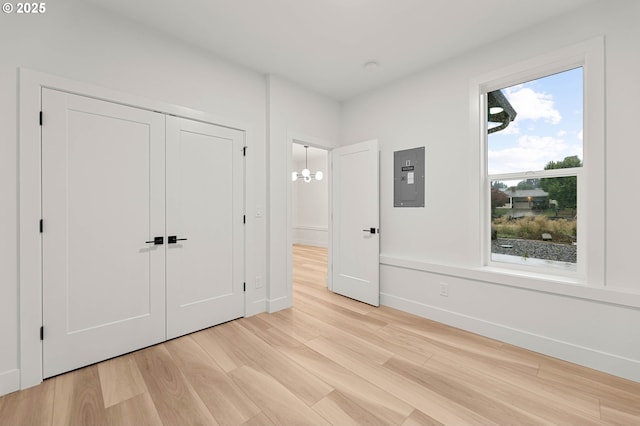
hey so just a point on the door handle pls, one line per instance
(370, 230)
(156, 241)
(173, 239)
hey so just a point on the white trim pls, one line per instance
(544, 283)
(311, 236)
(574, 171)
(30, 84)
(256, 307)
(88, 90)
(275, 305)
(330, 247)
(30, 254)
(572, 56)
(313, 243)
(591, 220)
(312, 228)
(602, 361)
(9, 381)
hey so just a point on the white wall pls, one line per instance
(310, 204)
(294, 113)
(9, 374)
(77, 41)
(420, 247)
(440, 243)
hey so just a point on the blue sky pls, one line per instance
(548, 126)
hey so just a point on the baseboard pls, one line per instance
(256, 307)
(275, 305)
(311, 236)
(602, 361)
(9, 381)
(313, 243)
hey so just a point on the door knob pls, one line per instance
(173, 239)
(156, 241)
(370, 230)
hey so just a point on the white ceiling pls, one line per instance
(323, 44)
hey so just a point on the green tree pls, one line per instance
(528, 184)
(498, 199)
(563, 189)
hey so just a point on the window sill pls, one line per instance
(532, 281)
(545, 268)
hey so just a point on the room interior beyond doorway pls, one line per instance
(310, 200)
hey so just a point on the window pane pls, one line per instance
(535, 123)
(533, 221)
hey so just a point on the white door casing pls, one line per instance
(355, 226)
(103, 198)
(205, 203)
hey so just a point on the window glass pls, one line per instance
(534, 222)
(547, 125)
(534, 159)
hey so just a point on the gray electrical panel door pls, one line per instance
(408, 178)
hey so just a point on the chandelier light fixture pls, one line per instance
(306, 174)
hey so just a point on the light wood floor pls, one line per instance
(328, 360)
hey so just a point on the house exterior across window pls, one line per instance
(527, 199)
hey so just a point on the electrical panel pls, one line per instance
(408, 177)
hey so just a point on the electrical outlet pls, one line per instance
(444, 289)
(258, 281)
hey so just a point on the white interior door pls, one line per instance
(205, 203)
(102, 199)
(355, 228)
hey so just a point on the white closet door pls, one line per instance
(205, 203)
(102, 198)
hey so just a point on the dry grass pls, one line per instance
(532, 228)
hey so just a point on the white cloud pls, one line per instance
(512, 129)
(530, 153)
(562, 133)
(580, 134)
(530, 105)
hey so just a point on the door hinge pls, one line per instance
(244, 286)
(244, 219)
(42, 333)
(40, 118)
(41, 226)
(244, 151)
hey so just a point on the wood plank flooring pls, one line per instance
(328, 360)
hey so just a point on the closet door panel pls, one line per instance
(205, 199)
(102, 199)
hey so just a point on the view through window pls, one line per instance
(534, 164)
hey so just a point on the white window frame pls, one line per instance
(590, 267)
(560, 268)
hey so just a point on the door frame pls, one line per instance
(30, 300)
(314, 143)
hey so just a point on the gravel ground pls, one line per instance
(535, 249)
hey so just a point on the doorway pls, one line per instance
(352, 212)
(309, 216)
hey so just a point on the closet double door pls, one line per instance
(143, 236)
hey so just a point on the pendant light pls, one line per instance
(306, 174)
